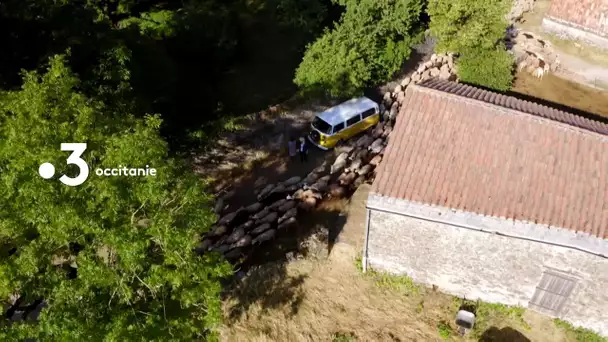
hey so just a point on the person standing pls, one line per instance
(303, 150)
(291, 146)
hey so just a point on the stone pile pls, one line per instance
(532, 53)
(279, 205)
(439, 65)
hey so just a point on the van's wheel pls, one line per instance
(340, 143)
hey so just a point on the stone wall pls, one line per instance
(567, 30)
(480, 265)
(585, 20)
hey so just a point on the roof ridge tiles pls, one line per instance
(512, 102)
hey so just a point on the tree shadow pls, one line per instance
(263, 279)
(507, 334)
(335, 230)
(269, 287)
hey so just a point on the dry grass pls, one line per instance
(324, 301)
(327, 298)
(559, 90)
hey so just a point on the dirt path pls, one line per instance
(581, 71)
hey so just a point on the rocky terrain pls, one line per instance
(279, 205)
(518, 9)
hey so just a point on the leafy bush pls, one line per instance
(490, 68)
(465, 24)
(474, 29)
(370, 43)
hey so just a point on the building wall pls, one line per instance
(491, 267)
(591, 15)
(566, 30)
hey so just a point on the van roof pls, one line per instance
(345, 110)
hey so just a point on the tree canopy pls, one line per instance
(474, 30)
(490, 68)
(369, 44)
(467, 24)
(174, 56)
(112, 258)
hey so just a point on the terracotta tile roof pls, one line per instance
(460, 147)
(590, 15)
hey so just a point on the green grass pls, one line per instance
(444, 330)
(504, 310)
(399, 283)
(581, 334)
(494, 314)
(343, 337)
(359, 263)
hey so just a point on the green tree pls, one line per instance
(370, 43)
(474, 30)
(490, 68)
(303, 15)
(464, 24)
(113, 257)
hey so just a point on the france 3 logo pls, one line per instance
(47, 170)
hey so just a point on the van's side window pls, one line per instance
(368, 113)
(338, 127)
(353, 120)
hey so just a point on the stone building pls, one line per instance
(585, 20)
(495, 198)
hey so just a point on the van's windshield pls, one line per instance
(321, 125)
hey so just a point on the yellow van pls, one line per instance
(343, 121)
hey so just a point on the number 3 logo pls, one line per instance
(74, 158)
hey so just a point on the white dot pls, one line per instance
(46, 170)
